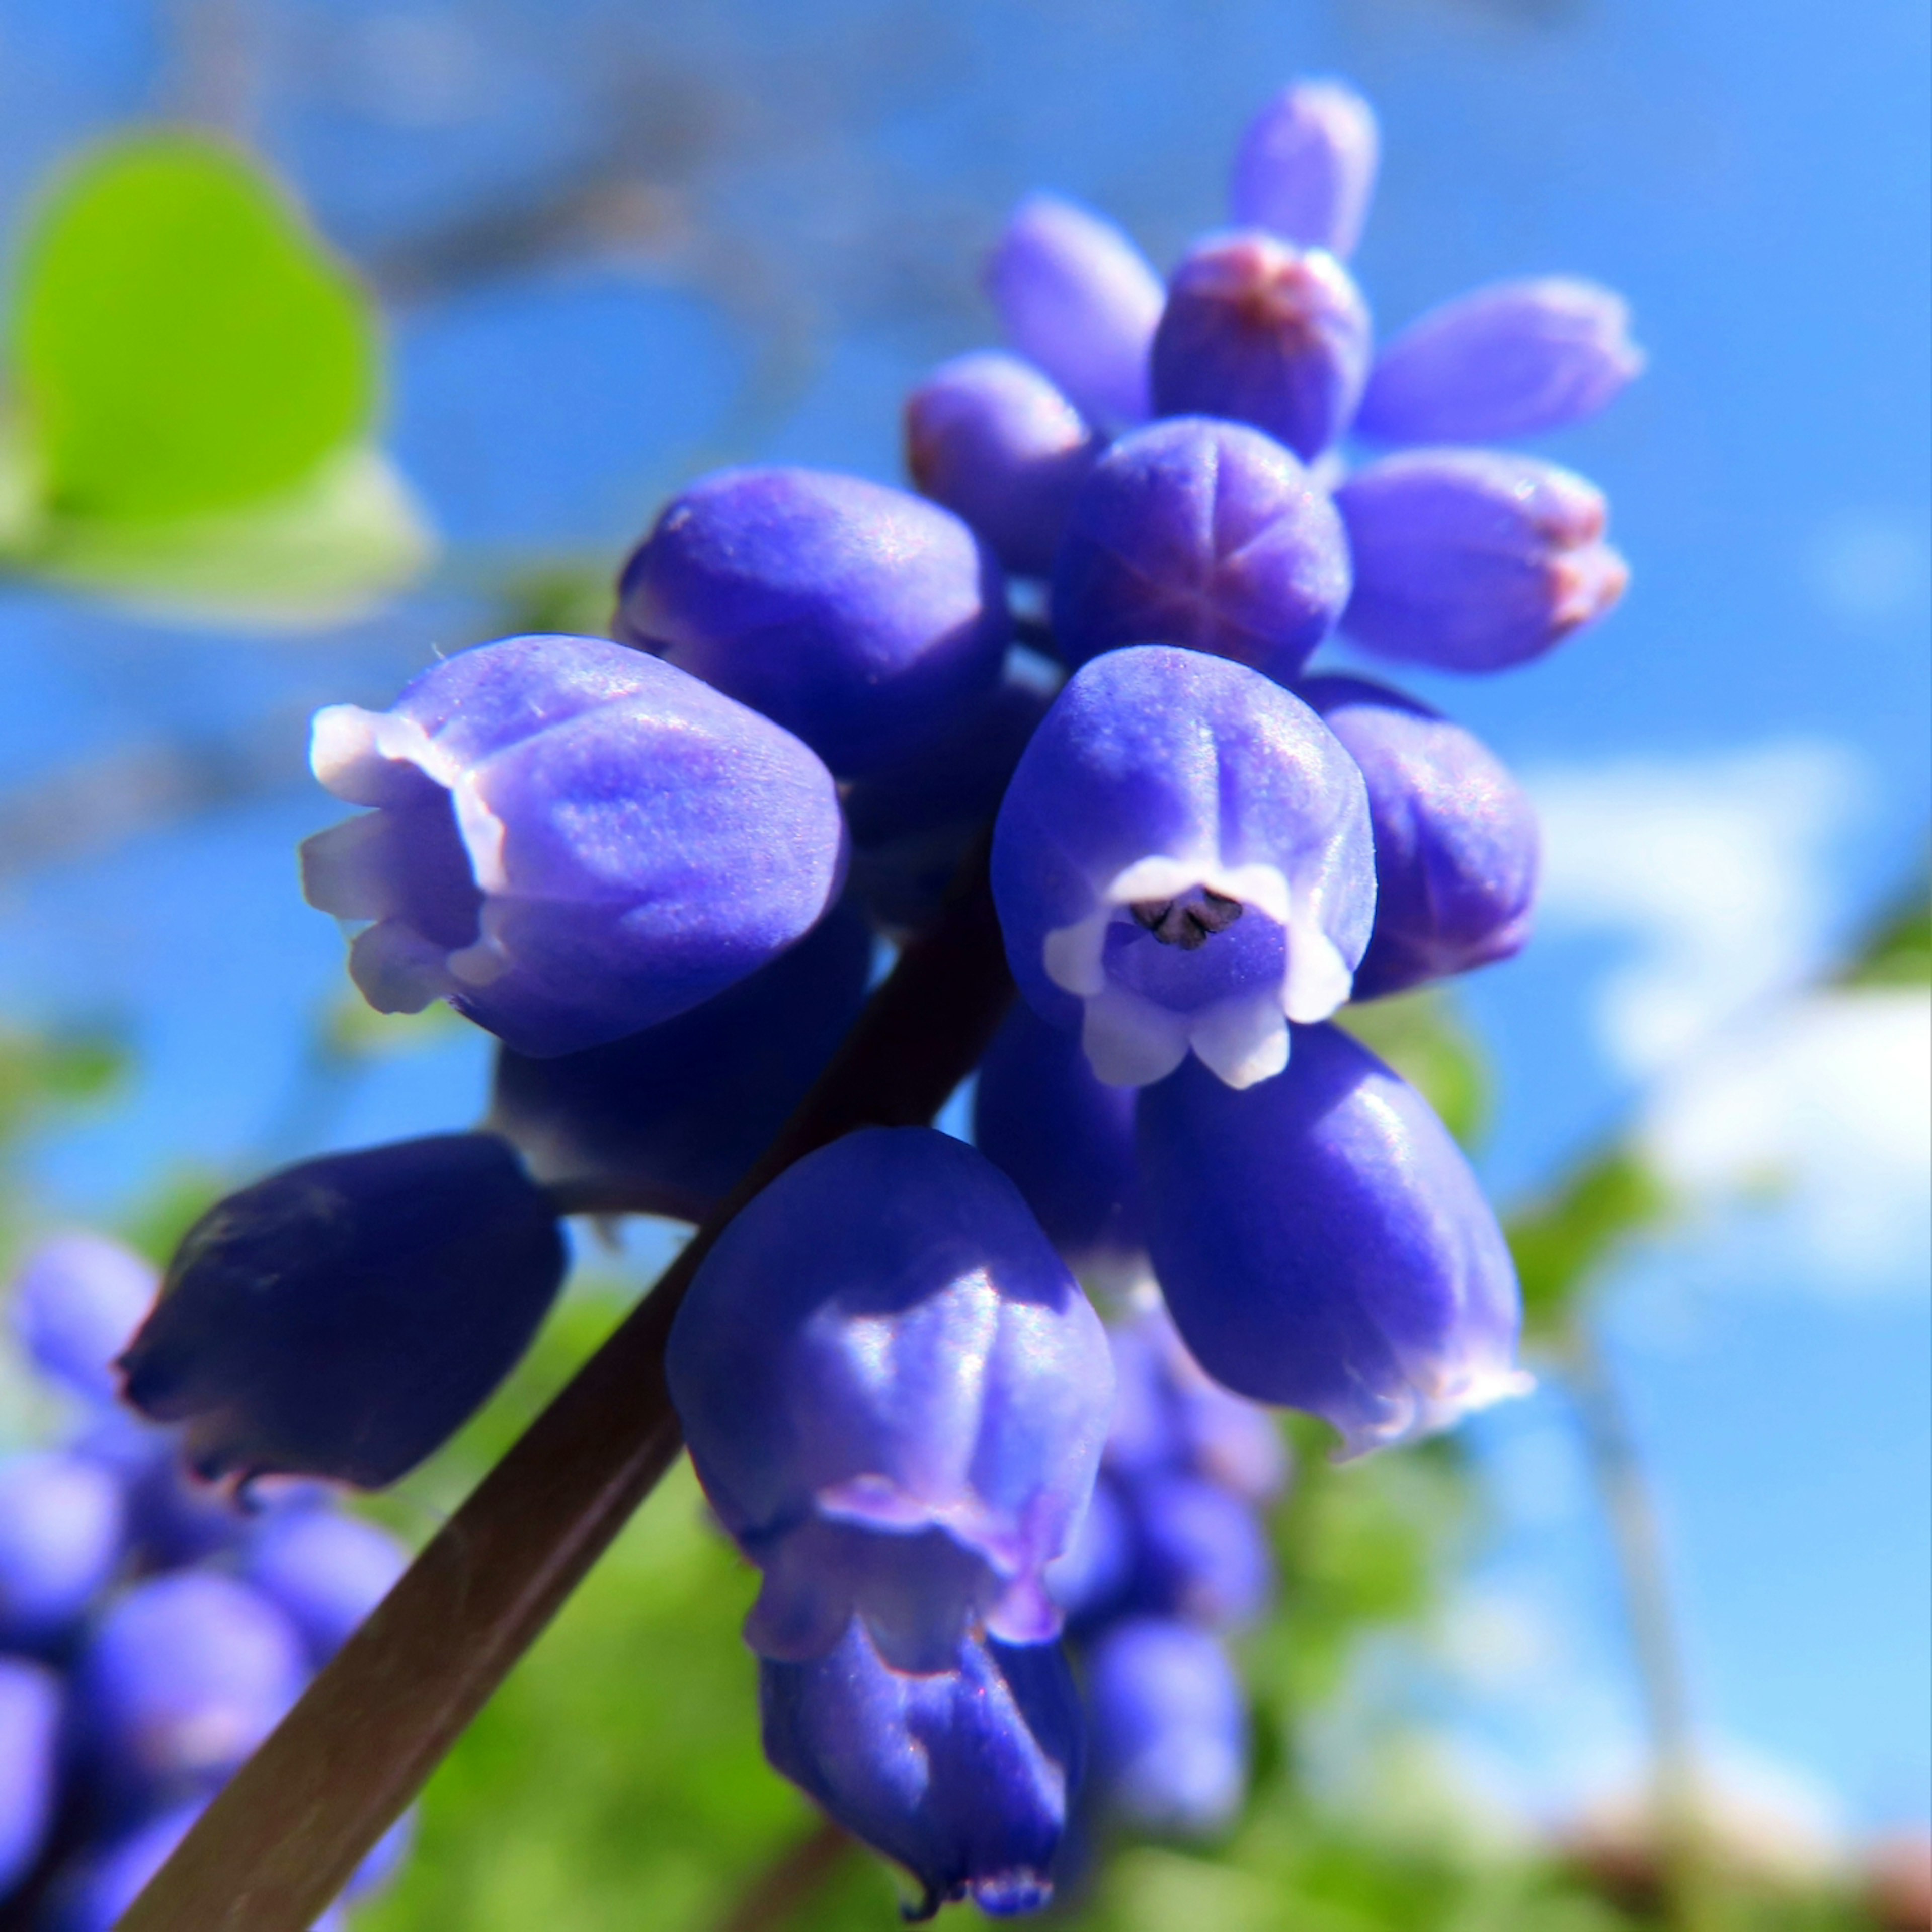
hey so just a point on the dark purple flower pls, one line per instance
(63, 1522)
(1512, 359)
(856, 616)
(1183, 861)
(1472, 560)
(1203, 533)
(182, 1678)
(896, 1397)
(1170, 1727)
(325, 1571)
(1455, 838)
(962, 1775)
(344, 1317)
(1267, 333)
(1064, 1139)
(676, 1114)
(1306, 167)
(1079, 299)
(75, 1302)
(1321, 1243)
(991, 438)
(573, 841)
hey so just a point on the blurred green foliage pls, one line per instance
(1898, 952)
(1564, 1240)
(1423, 1037)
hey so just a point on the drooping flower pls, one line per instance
(74, 1302)
(572, 840)
(1183, 861)
(895, 1396)
(63, 1526)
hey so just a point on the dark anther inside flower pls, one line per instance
(1189, 921)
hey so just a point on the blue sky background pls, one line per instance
(772, 215)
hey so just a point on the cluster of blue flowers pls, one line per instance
(657, 867)
(153, 1630)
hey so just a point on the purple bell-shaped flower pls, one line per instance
(324, 1571)
(1455, 838)
(30, 1705)
(345, 1317)
(1321, 1243)
(1204, 533)
(895, 1397)
(76, 1300)
(859, 616)
(1183, 861)
(63, 1522)
(571, 841)
(962, 1775)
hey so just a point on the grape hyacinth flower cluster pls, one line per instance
(659, 870)
(153, 1630)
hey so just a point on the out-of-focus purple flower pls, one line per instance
(98, 1886)
(962, 1776)
(680, 1112)
(344, 1317)
(1064, 1139)
(325, 1571)
(62, 1532)
(1455, 838)
(1204, 533)
(1170, 1727)
(991, 438)
(912, 825)
(181, 1679)
(76, 1300)
(857, 616)
(1079, 299)
(1200, 1551)
(1091, 1577)
(1183, 861)
(1266, 333)
(1473, 559)
(896, 1397)
(1512, 359)
(572, 840)
(1306, 167)
(31, 1704)
(1321, 1243)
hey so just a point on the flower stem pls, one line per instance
(284, 1835)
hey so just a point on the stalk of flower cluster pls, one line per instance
(283, 1838)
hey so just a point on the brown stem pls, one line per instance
(284, 1837)
(778, 1889)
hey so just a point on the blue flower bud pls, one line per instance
(1305, 167)
(1514, 359)
(76, 1300)
(962, 1776)
(991, 438)
(1267, 333)
(857, 616)
(324, 1571)
(1170, 1728)
(912, 825)
(30, 1731)
(1078, 298)
(344, 1317)
(1204, 533)
(895, 1396)
(1183, 860)
(1321, 1243)
(1472, 559)
(680, 1112)
(1455, 838)
(97, 1887)
(1063, 1138)
(62, 1531)
(1089, 1579)
(573, 841)
(1200, 1553)
(182, 1678)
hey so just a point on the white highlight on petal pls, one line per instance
(1132, 1041)
(374, 757)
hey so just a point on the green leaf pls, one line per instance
(39, 1072)
(1563, 1240)
(182, 343)
(1898, 951)
(1422, 1037)
(322, 554)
